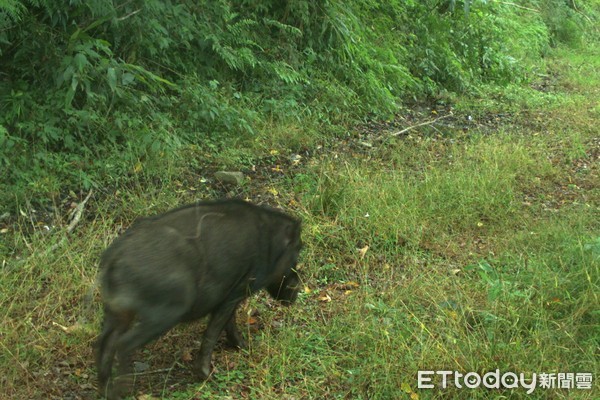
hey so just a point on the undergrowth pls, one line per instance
(467, 247)
(94, 93)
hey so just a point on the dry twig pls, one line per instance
(421, 124)
(78, 212)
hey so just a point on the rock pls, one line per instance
(139, 366)
(233, 177)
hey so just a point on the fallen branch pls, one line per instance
(78, 212)
(421, 124)
(150, 372)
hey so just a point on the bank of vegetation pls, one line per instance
(96, 93)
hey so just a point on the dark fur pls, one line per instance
(188, 263)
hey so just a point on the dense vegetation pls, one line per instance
(90, 91)
(441, 153)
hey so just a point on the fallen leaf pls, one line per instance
(350, 285)
(324, 298)
(553, 300)
(363, 251)
(405, 387)
(186, 355)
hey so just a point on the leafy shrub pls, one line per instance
(140, 78)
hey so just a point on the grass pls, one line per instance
(466, 251)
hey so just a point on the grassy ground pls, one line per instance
(472, 244)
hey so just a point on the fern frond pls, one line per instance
(11, 10)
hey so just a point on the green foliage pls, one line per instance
(567, 23)
(140, 78)
(11, 11)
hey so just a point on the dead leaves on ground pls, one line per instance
(335, 291)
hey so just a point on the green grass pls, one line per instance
(483, 253)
